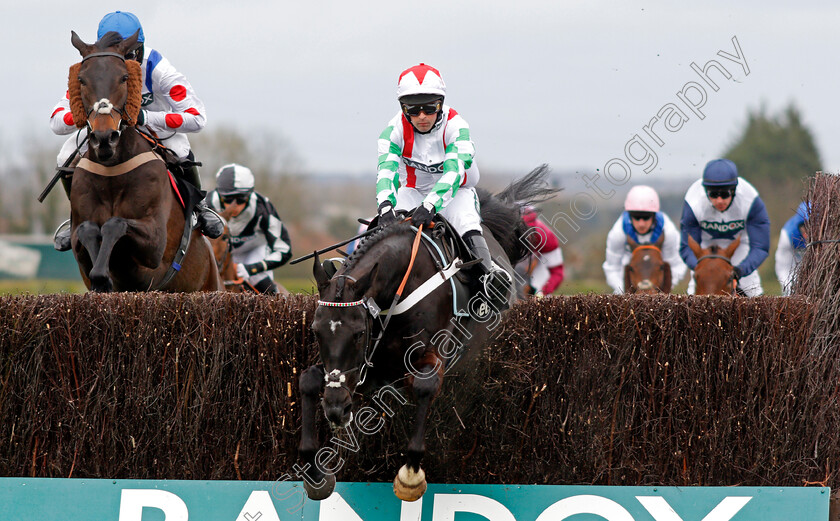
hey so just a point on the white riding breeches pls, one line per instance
(462, 212)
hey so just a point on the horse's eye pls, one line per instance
(124, 79)
(82, 81)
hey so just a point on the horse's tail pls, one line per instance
(502, 214)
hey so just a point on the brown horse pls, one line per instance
(647, 272)
(129, 231)
(714, 274)
(223, 253)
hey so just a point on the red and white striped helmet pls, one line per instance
(642, 198)
(421, 79)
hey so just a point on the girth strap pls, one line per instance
(120, 169)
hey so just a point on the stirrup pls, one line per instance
(61, 237)
(209, 222)
(498, 285)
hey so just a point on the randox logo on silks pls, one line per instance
(432, 169)
(723, 227)
(148, 99)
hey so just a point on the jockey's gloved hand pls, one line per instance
(242, 272)
(423, 214)
(141, 117)
(386, 214)
(256, 267)
(737, 273)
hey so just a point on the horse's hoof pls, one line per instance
(410, 485)
(317, 493)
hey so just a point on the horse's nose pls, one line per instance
(338, 408)
(105, 139)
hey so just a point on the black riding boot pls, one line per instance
(266, 286)
(496, 282)
(61, 238)
(209, 222)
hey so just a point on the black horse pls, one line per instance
(361, 349)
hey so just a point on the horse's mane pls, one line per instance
(365, 244)
(502, 212)
(109, 39)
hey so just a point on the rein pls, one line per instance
(335, 377)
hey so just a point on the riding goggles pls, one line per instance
(720, 194)
(237, 198)
(428, 109)
(641, 216)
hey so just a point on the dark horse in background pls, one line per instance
(359, 351)
(647, 272)
(130, 231)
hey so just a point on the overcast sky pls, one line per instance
(567, 83)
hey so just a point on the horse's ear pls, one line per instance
(666, 284)
(698, 251)
(84, 49)
(628, 287)
(732, 247)
(320, 274)
(125, 46)
(660, 241)
(633, 244)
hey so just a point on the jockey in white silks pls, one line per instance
(720, 207)
(170, 109)
(427, 164)
(643, 222)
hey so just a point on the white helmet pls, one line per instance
(642, 199)
(234, 179)
(421, 79)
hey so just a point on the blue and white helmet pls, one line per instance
(234, 179)
(720, 172)
(126, 24)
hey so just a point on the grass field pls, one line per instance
(307, 286)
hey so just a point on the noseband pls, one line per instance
(104, 106)
(728, 261)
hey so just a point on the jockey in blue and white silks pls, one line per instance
(791, 248)
(645, 224)
(720, 207)
(169, 110)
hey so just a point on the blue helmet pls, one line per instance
(720, 172)
(121, 22)
(803, 211)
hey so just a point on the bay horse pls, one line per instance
(129, 230)
(223, 253)
(714, 274)
(647, 272)
(360, 351)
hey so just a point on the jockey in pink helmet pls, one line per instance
(547, 274)
(645, 224)
(427, 164)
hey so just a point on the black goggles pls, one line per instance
(237, 198)
(641, 216)
(718, 193)
(428, 108)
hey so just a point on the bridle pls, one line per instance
(370, 311)
(646, 284)
(104, 106)
(728, 261)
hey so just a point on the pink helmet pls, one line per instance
(421, 79)
(642, 199)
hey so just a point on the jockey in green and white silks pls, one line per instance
(427, 164)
